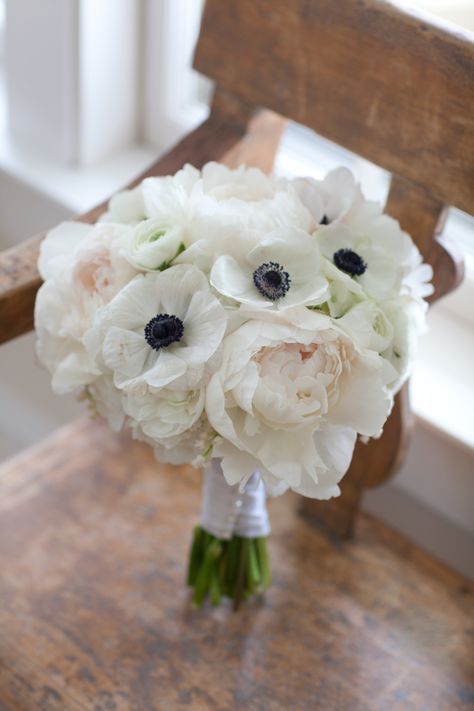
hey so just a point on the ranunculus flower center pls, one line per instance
(350, 262)
(163, 330)
(271, 280)
(324, 220)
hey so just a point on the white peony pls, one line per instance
(80, 280)
(173, 198)
(161, 326)
(285, 381)
(245, 198)
(280, 269)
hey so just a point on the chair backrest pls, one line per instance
(383, 82)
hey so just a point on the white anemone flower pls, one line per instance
(289, 397)
(279, 271)
(161, 326)
(335, 199)
(374, 256)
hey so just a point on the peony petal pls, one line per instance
(58, 243)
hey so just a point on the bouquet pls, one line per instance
(250, 326)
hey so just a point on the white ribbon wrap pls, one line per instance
(226, 511)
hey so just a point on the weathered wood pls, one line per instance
(216, 139)
(372, 77)
(94, 537)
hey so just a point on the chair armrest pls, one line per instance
(19, 278)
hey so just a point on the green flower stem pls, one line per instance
(237, 568)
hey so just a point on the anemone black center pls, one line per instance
(350, 262)
(163, 330)
(324, 220)
(271, 280)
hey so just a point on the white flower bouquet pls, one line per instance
(247, 325)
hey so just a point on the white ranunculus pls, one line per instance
(126, 207)
(193, 446)
(161, 326)
(407, 317)
(154, 245)
(281, 270)
(165, 413)
(284, 377)
(368, 326)
(79, 282)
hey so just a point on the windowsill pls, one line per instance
(76, 189)
(442, 384)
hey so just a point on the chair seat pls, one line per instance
(94, 613)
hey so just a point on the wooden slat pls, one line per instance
(94, 614)
(383, 83)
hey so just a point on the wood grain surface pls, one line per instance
(94, 614)
(379, 80)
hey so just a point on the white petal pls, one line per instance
(125, 352)
(168, 367)
(60, 241)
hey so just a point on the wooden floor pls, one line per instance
(94, 614)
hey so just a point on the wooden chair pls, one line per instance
(94, 534)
